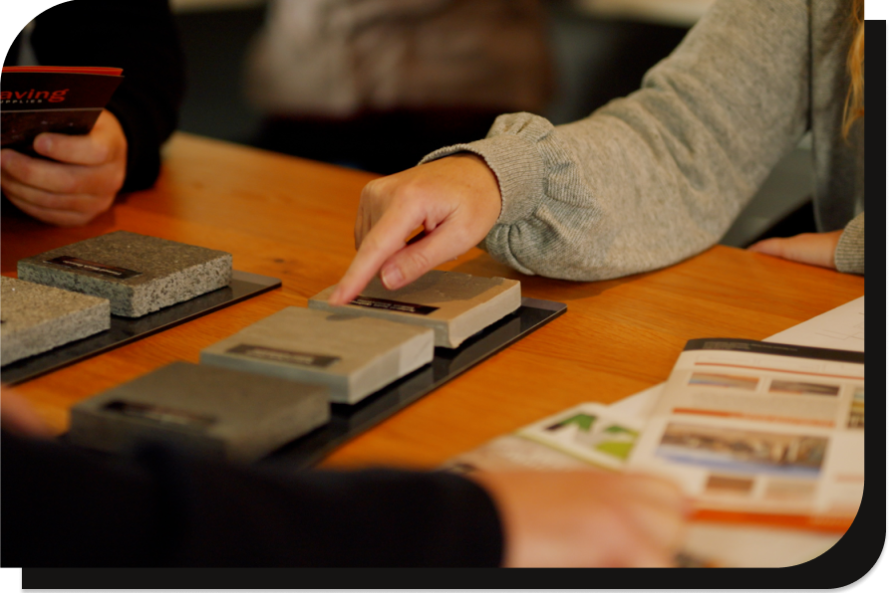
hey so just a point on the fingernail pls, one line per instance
(335, 297)
(391, 277)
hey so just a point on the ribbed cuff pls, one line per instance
(849, 254)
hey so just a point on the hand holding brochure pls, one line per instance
(66, 100)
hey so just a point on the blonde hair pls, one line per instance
(854, 108)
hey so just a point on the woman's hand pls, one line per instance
(587, 518)
(79, 183)
(455, 199)
(816, 249)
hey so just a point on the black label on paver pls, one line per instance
(374, 303)
(284, 356)
(161, 414)
(91, 266)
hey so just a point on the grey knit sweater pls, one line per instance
(659, 176)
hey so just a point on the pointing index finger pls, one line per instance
(383, 240)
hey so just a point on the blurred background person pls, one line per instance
(598, 50)
(374, 84)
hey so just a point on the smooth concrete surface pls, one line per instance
(219, 412)
(462, 305)
(352, 356)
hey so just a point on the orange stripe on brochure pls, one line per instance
(810, 522)
(741, 366)
(783, 419)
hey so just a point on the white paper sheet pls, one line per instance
(735, 546)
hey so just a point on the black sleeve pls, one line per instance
(138, 36)
(66, 507)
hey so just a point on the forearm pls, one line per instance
(656, 177)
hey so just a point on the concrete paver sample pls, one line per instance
(219, 412)
(36, 318)
(455, 305)
(353, 356)
(137, 273)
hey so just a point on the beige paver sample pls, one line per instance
(455, 305)
(353, 356)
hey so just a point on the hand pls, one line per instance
(79, 183)
(587, 518)
(455, 199)
(816, 249)
(16, 415)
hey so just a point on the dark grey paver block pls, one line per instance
(221, 412)
(137, 273)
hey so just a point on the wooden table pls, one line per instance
(292, 219)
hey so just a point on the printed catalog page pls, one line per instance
(761, 428)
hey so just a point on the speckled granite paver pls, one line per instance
(137, 273)
(37, 318)
(219, 412)
(455, 305)
(353, 356)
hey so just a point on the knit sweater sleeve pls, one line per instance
(658, 176)
(849, 255)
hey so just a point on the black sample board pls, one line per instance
(348, 421)
(124, 330)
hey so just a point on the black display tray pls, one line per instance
(123, 330)
(348, 421)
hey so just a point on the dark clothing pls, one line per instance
(139, 37)
(66, 507)
(376, 141)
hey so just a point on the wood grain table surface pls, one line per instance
(292, 219)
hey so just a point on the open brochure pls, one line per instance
(737, 533)
(773, 432)
(576, 438)
(789, 444)
(755, 432)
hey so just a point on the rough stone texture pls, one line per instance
(353, 356)
(37, 318)
(167, 272)
(221, 412)
(465, 304)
